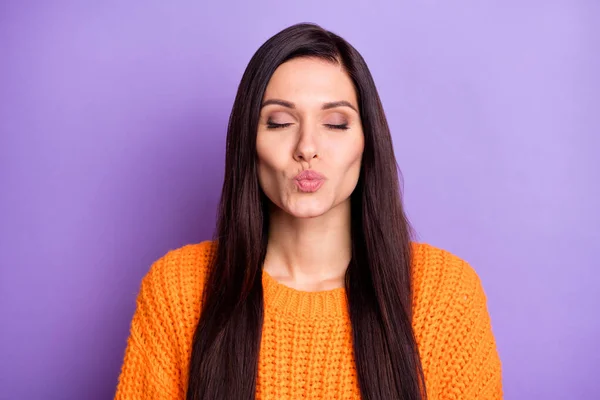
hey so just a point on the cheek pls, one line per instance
(357, 150)
(264, 167)
(270, 163)
(350, 165)
(272, 149)
(351, 156)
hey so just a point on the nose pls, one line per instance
(306, 149)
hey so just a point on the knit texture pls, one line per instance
(306, 349)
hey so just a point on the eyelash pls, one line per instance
(343, 127)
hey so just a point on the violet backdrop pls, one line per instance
(112, 129)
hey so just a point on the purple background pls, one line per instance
(113, 120)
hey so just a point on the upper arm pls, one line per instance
(453, 329)
(151, 367)
(474, 367)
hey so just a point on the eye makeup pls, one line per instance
(273, 125)
(334, 121)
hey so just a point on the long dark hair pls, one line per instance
(226, 345)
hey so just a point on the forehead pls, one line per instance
(311, 80)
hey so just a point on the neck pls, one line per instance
(310, 253)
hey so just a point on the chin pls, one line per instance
(307, 214)
(310, 210)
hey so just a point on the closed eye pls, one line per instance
(340, 126)
(272, 125)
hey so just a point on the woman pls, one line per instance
(312, 287)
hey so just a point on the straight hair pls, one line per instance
(226, 343)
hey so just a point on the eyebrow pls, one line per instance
(326, 106)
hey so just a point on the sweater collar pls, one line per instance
(302, 304)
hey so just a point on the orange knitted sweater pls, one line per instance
(306, 350)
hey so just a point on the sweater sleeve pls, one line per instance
(151, 367)
(472, 368)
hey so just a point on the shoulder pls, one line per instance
(445, 286)
(437, 268)
(191, 260)
(177, 278)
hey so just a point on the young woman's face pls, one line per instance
(310, 139)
